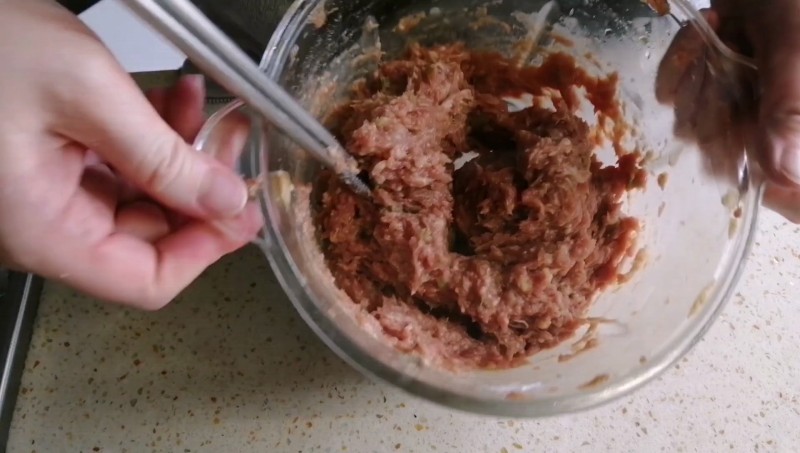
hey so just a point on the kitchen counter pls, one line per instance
(231, 367)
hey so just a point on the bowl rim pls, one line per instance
(273, 61)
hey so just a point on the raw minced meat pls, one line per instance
(483, 265)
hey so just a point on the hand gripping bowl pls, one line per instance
(698, 225)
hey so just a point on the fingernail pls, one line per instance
(222, 193)
(790, 165)
(195, 80)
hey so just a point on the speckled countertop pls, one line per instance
(230, 367)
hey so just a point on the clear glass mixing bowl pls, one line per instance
(699, 214)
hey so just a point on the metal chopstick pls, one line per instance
(191, 31)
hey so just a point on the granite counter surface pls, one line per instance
(230, 367)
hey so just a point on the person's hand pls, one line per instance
(98, 186)
(769, 32)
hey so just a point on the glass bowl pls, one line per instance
(699, 214)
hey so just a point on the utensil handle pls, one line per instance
(218, 56)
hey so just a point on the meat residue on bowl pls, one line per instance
(482, 264)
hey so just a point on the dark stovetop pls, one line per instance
(19, 300)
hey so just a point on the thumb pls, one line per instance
(776, 36)
(116, 121)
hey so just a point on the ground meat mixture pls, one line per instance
(479, 266)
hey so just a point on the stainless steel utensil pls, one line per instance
(207, 46)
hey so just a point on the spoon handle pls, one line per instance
(708, 34)
(218, 56)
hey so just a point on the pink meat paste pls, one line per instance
(482, 266)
